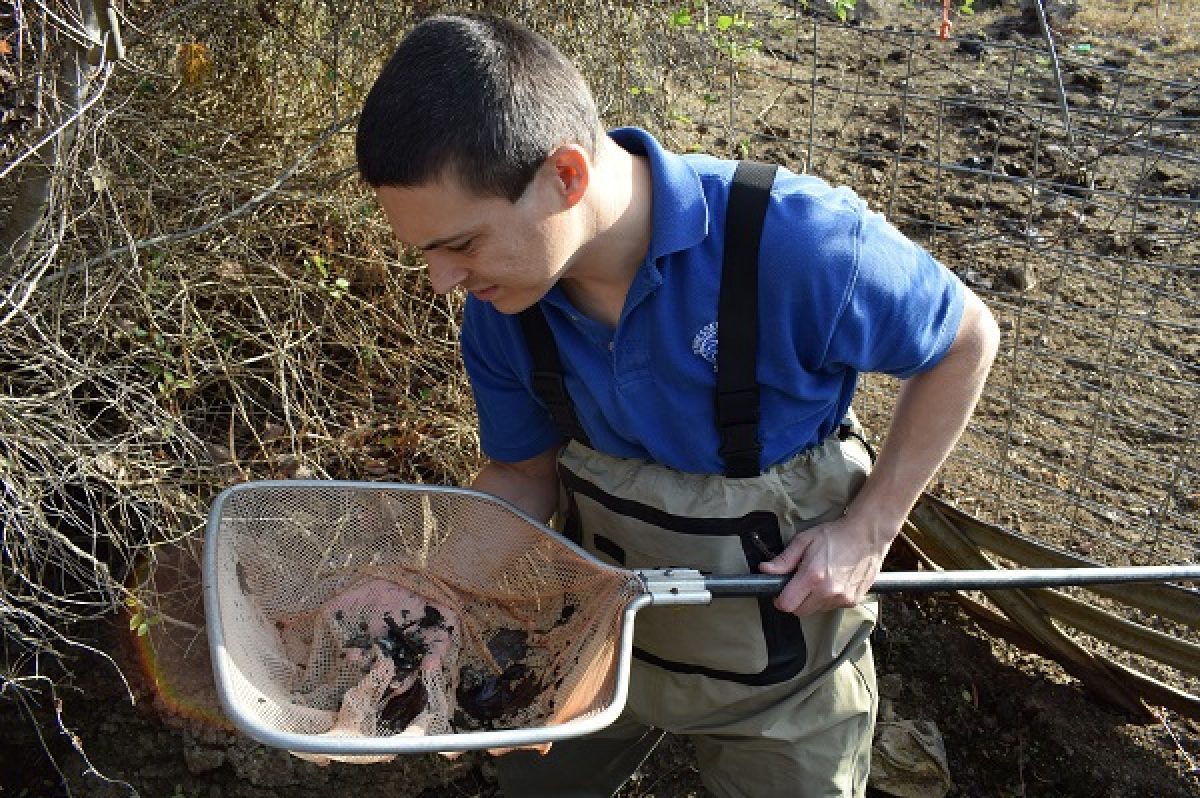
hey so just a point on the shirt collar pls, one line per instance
(679, 207)
(680, 210)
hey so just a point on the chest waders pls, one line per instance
(725, 668)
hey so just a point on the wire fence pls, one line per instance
(1063, 189)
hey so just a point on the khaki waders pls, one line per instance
(776, 706)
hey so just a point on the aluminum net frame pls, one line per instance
(359, 620)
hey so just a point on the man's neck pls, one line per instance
(622, 211)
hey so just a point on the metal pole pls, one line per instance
(941, 581)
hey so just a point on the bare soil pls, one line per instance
(1013, 724)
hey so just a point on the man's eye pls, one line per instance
(463, 247)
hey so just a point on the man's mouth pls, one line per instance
(485, 294)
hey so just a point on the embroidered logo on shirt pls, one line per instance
(705, 343)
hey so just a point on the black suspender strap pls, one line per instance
(548, 381)
(737, 321)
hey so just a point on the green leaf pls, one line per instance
(724, 22)
(681, 19)
(143, 630)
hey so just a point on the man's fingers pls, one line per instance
(792, 597)
(809, 593)
(788, 560)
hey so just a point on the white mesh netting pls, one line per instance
(392, 610)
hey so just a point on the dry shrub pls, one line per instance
(208, 294)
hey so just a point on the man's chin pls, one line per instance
(512, 305)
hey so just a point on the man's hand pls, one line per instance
(835, 564)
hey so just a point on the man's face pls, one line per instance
(506, 253)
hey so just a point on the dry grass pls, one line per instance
(211, 296)
(1170, 26)
(1176, 19)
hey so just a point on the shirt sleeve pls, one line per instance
(902, 308)
(513, 424)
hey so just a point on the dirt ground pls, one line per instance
(1013, 724)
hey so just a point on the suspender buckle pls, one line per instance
(741, 450)
(737, 407)
(737, 422)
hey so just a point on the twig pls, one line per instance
(1193, 768)
(77, 744)
(30, 286)
(241, 210)
(66, 123)
(23, 701)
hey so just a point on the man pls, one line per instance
(594, 266)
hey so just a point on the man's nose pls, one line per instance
(444, 277)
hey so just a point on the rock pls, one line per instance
(201, 759)
(972, 45)
(908, 760)
(1014, 169)
(1011, 144)
(1078, 100)
(1090, 80)
(1167, 172)
(975, 279)
(1145, 246)
(1019, 276)
(891, 685)
(267, 767)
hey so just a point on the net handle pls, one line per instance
(944, 581)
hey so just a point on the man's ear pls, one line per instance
(572, 170)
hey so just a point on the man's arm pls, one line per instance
(836, 563)
(531, 485)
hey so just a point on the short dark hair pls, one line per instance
(477, 96)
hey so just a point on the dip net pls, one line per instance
(361, 610)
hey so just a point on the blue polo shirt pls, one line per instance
(840, 292)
